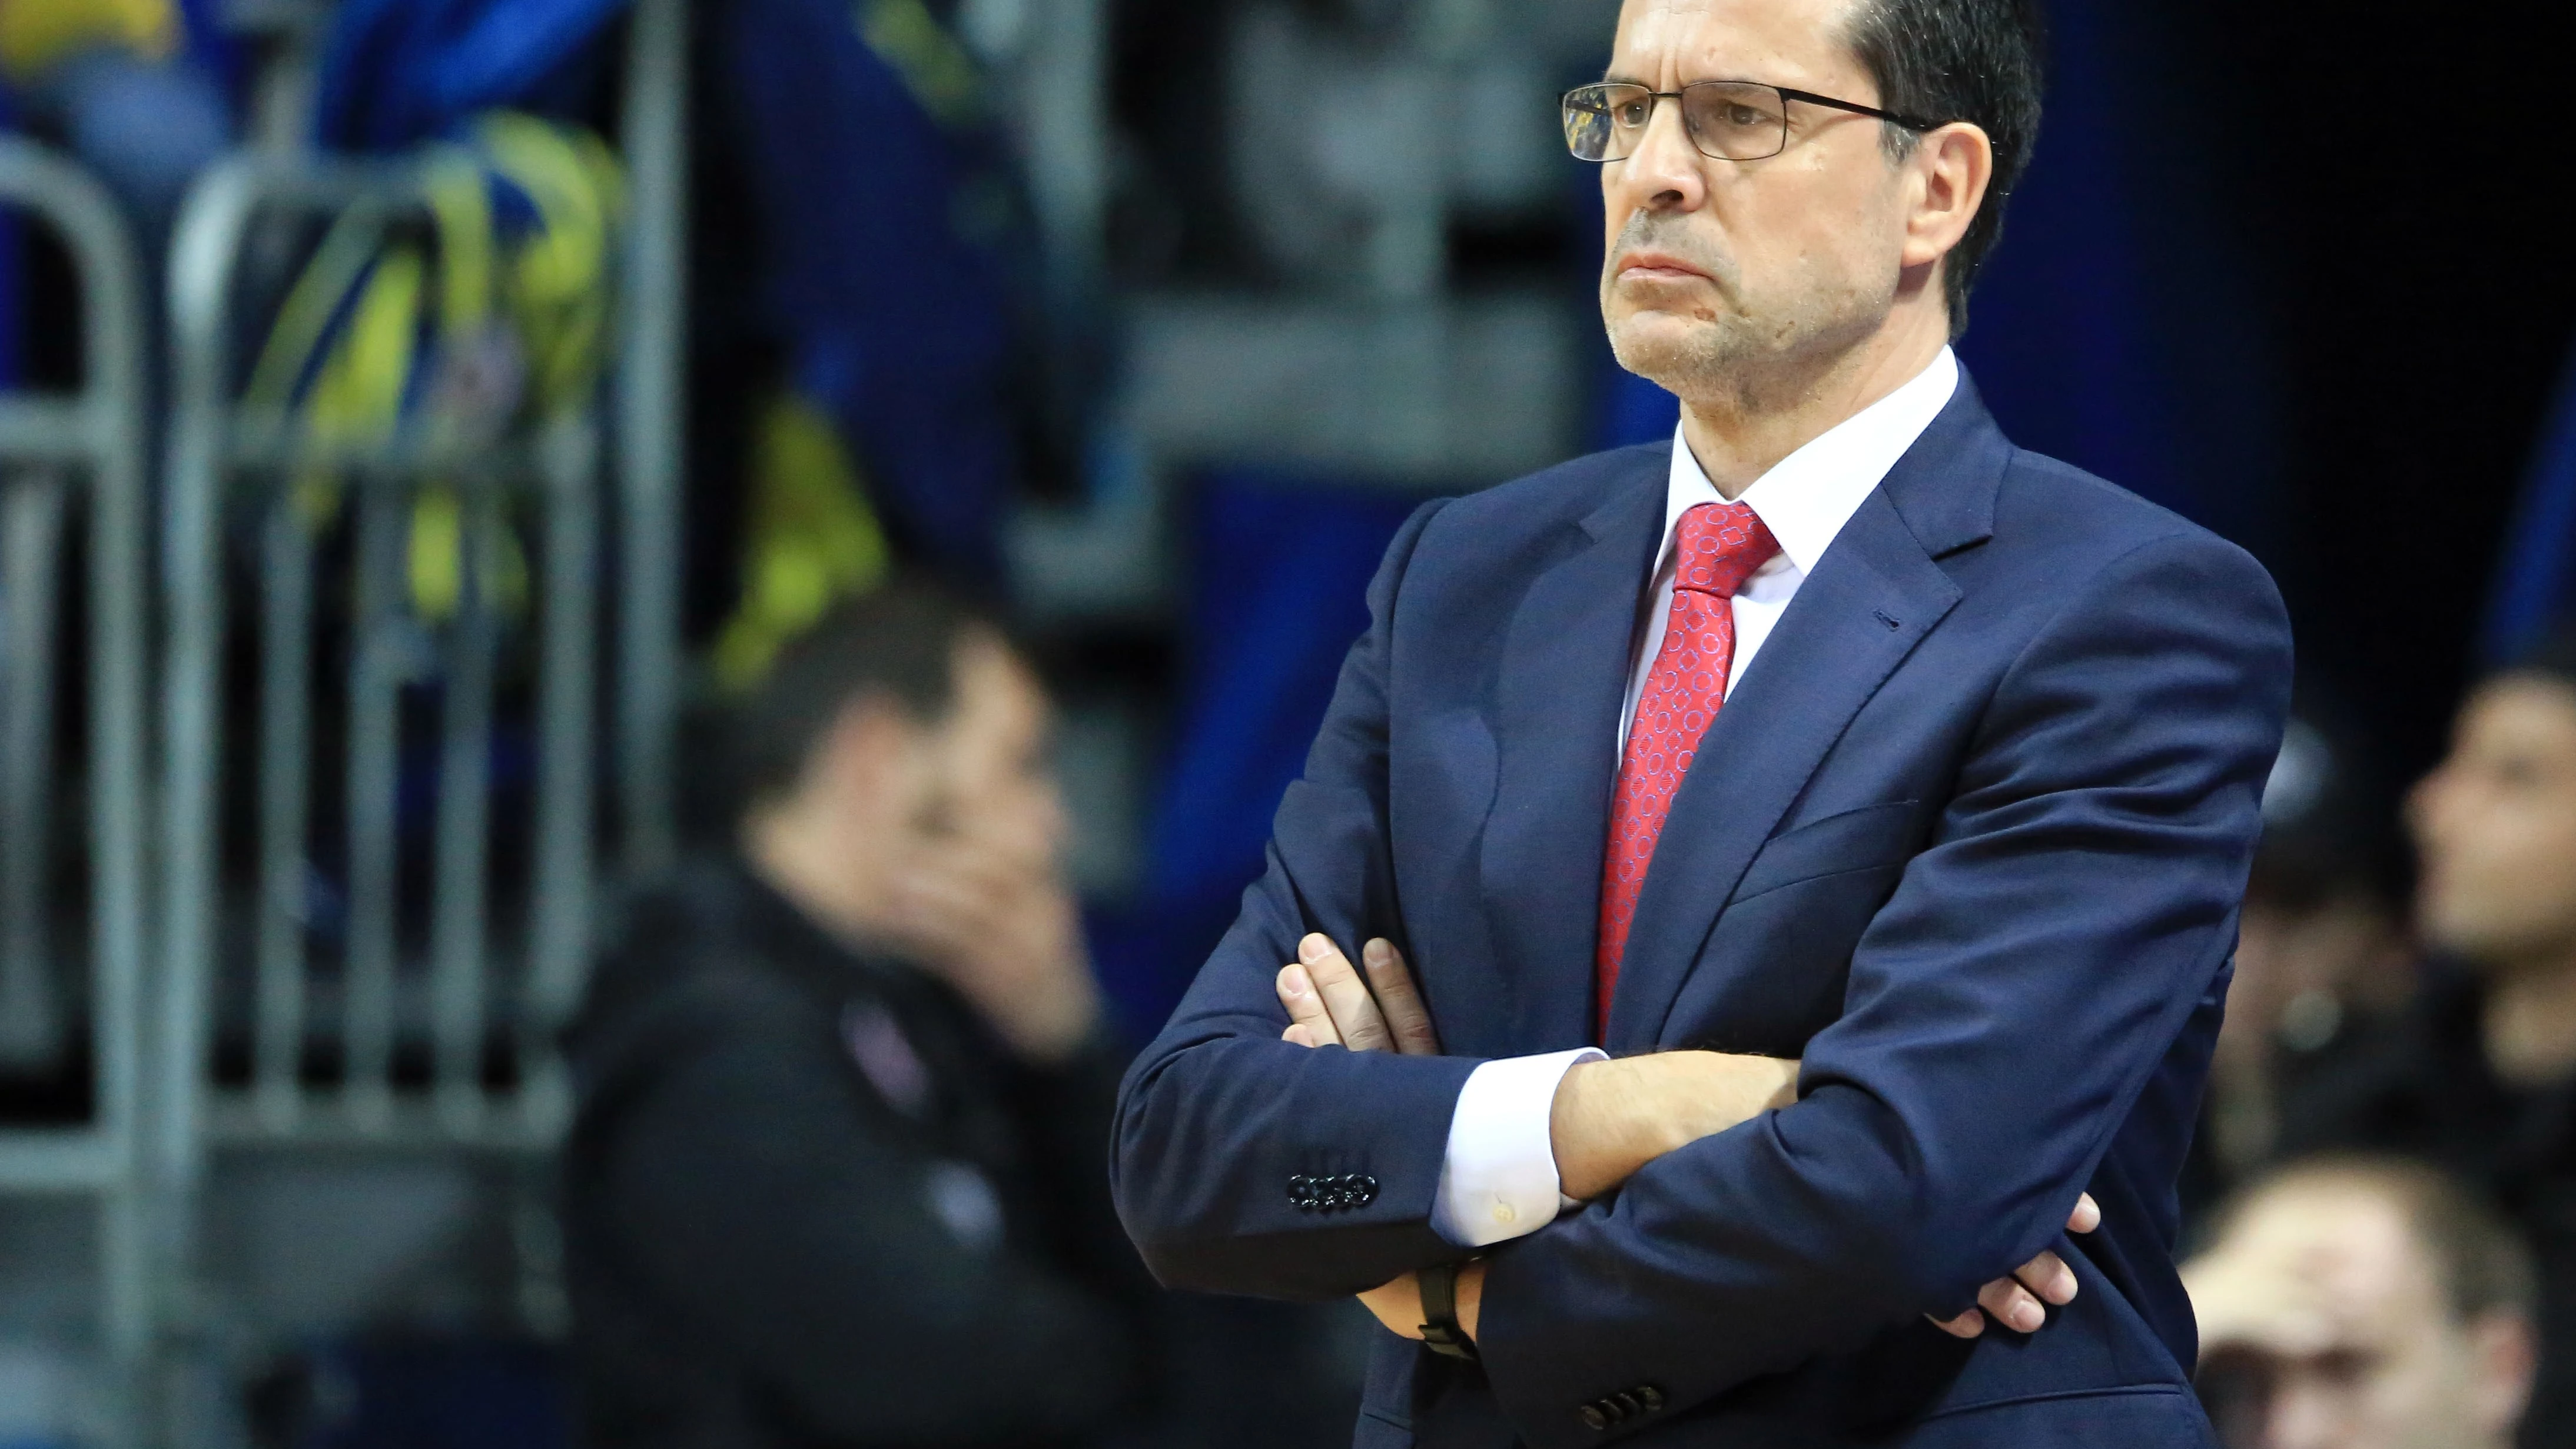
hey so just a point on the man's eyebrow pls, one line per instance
(1613, 79)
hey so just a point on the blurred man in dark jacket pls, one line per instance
(837, 1176)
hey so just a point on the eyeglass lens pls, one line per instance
(1728, 120)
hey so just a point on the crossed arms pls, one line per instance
(1609, 1119)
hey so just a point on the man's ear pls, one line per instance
(1951, 168)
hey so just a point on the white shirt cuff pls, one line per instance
(1498, 1176)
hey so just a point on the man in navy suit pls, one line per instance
(1877, 794)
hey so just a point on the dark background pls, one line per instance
(2400, 188)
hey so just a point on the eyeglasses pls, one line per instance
(1727, 120)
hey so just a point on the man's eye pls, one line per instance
(1634, 113)
(1745, 117)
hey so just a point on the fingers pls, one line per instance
(949, 897)
(1355, 1017)
(2012, 1306)
(935, 913)
(2016, 1302)
(1330, 1004)
(1392, 983)
(1309, 1024)
(1966, 1325)
(2048, 1276)
(2087, 1215)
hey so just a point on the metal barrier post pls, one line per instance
(651, 431)
(97, 436)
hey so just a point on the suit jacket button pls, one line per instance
(1650, 1396)
(1593, 1416)
(1626, 1402)
(1367, 1189)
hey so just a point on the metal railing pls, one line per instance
(651, 430)
(388, 1031)
(71, 474)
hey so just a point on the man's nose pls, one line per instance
(1665, 171)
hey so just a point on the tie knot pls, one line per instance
(1718, 546)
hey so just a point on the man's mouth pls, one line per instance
(1658, 267)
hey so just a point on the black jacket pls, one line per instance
(810, 1201)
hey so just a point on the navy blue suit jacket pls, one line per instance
(1969, 837)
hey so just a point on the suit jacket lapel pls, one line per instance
(1873, 596)
(1556, 730)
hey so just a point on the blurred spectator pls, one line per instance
(2323, 963)
(837, 1177)
(2363, 1303)
(2481, 1078)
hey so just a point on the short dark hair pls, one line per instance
(2483, 1264)
(1960, 60)
(899, 641)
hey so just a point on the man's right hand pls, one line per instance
(987, 910)
(1611, 1118)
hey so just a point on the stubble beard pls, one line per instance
(1743, 354)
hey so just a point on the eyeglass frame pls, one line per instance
(1565, 103)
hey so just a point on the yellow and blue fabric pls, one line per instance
(36, 35)
(525, 223)
(887, 220)
(890, 260)
(889, 266)
(396, 73)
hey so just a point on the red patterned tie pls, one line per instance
(1716, 548)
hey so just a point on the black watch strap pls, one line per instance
(1440, 1331)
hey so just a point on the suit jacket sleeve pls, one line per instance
(2003, 1012)
(1219, 1115)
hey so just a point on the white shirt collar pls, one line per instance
(1808, 496)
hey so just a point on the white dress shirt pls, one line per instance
(1498, 1176)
